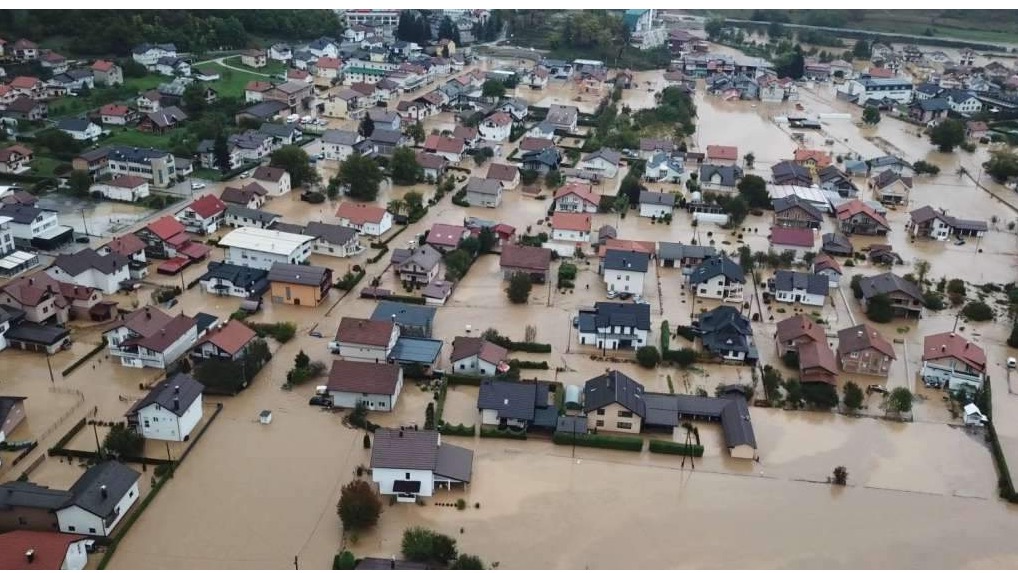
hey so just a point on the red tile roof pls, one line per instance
(364, 331)
(500, 118)
(445, 235)
(114, 109)
(582, 190)
(525, 257)
(257, 86)
(127, 181)
(329, 63)
(126, 245)
(502, 172)
(822, 158)
(571, 222)
(953, 345)
(24, 82)
(443, 144)
(464, 132)
(726, 152)
(49, 549)
(648, 247)
(824, 261)
(230, 337)
(207, 206)
(360, 213)
(817, 363)
(794, 236)
(799, 326)
(102, 66)
(165, 227)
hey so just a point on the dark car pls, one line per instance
(320, 401)
(625, 295)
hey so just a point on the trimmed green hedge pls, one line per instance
(74, 366)
(626, 443)
(536, 347)
(666, 447)
(457, 430)
(528, 364)
(69, 435)
(402, 298)
(507, 434)
(685, 332)
(462, 380)
(378, 256)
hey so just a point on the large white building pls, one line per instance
(878, 89)
(156, 166)
(170, 411)
(128, 188)
(260, 248)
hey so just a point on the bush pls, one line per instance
(933, 300)
(629, 444)
(682, 357)
(281, 331)
(359, 506)
(457, 430)
(528, 364)
(852, 396)
(507, 433)
(519, 288)
(977, 311)
(840, 476)
(820, 395)
(685, 332)
(350, 280)
(648, 356)
(462, 380)
(1012, 340)
(123, 442)
(672, 448)
(424, 545)
(791, 360)
(879, 309)
(344, 561)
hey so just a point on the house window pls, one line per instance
(624, 425)
(600, 423)
(600, 411)
(625, 414)
(408, 475)
(71, 528)
(854, 355)
(91, 530)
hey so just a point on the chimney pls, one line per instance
(176, 404)
(148, 312)
(30, 555)
(103, 492)
(401, 432)
(176, 389)
(967, 345)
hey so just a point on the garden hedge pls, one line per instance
(666, 447)
(630, 444)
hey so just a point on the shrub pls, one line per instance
(879, 309)
(1012, 340)
(508, 434)
(519, 288)
(648, 356)
(349, 280)
(461, 504)
(840, 476)
(791, 360)
(672, 448)
(359, 506)
(528, 364)
(933, 300)
(457, 430)
(344, 561)
(666, 337)
(977, 311)
(682, 357)
(281, 331)
(630, 444)
(685, 332)
(852, 396)
(420, 544)
(468, 562)
(820, 395)
(123, 442)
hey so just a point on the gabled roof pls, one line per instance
(248, 278)
(584, 191)
(886, 283)
(729, 174)
(364, 331)
(714, 266)
(516, 400)
(177, 393)
(605, 153)
(799, 326)
(611, 314)
(863, 337)
(525, 257)
(207, 206)
(723, 152)
(330, 233)
(165, 227)
(424, 256)
(677, 251)
(785, 172)
(465, 346)
(502, 172)
(363, 377)
(849, 209)
(265, 173)
(48, 548)
(792, 236)
(654, 198)
(403, 314)
(126, 245)
(782, 204)
(823, 262)
(614, 387)
(420, 450)
(440, 143)
(616, 260)
(431, 160)
(308, 275)
(102, 486)
(889, 177)
(499, 119)
(145, 321)
(817, 363)
(483, 186)
(785, 280)
(89, 259)
(953, 345)
(570, 221)
(230, 337)
(446, 235)
(360, 213)
(822, 158)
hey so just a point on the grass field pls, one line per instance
(45, 166)
(272, 68)
(231, 82)
(135, 138)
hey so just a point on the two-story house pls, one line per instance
(225, 279)
(793, 211)
(261, 248)
(477, 356)
(418, 266)
(483, 192)
(496, 127)
(863, 350)
(204, 215)
(858, 218)
(625, 271)
(131, 247)
(299, 284)
(365, 340)
(35, 227)
(576, 197)
(795, 332)
(938, 225)
(274, 179)
(368, 219)
(724, 332)
(150, 338)
(718, 278)
(656, 205)
(170, 411)
(891, 188)
(906, 297)
(800, 288)
(229, 341)
(570, 230)
(410, 464)
(376, 385)
(87, 268)
(952, 362)
(615, 326)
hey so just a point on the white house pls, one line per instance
(338, 144)
(203, 215)
(330, 239)
(99, 499)
(365, 340)
(32, 226)
(46, 550)
(80, 129)
(615, 325)
(798, 240)
(801, 288)
(128, 188)
(148, 54)
(878, 89)
(224, 279)
(260, 248)
(451, 148)
(577, 197)
(625, 271)
(604, 161)
(953, 362)
(170, 411)
(570, 227)
(409, 464)
(483, 192)
(496, 127)
(368, 219)
(663, 167)
(476, 356)
(376, 385)
(87, 268)
(274, 179)
(718, 278)
(656, 205)
(150, 338)
(963, 102)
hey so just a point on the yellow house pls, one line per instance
(302, 285)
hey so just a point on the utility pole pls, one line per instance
(84, 223)
(296, 564)
(49, 365)
(98, 448)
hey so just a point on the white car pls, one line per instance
(292, 118)
(612, 294)
(246, 174)
(195, 185)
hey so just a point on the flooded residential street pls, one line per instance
(259, 496)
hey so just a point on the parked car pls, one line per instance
(576, 322)
(320, 401)
(1011, 362)
(612, 294)
(625, 295)
(960, 242)
(877, 388)
(334, 346)
(195, 185)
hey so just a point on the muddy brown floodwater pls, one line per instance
(255, 496)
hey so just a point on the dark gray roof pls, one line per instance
(483, 186)
(725, 329)
(654, 198)
(571, 424)
(73, 124)
(677, 251)
(391, 136)
(248, 213)
(886, 283)
(729, 173)
(517, 400)
(86, 259)
(837, 243)
(378, 564)
(419, 450)
(786, 172)
(278, 130)
(339, 137)
(736, 423)
(255, 280)
(887, 161)
(615, 260)
(614, 387)
(37, 333)
(606, 153)
(790, 201)
(175, 394)
(548, 156)
(785, 280)
(7, 403)
(204, 321)
(454, 462)
(21, 214)
(27, 494)
(88, 494)
(424, 256)
(411, 315)
(330, 233)
(934, 104)
(265, 109)
(714, 266)
(297, 274)
(607, 314)
(412, 350)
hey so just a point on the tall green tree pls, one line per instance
(947, 135)
(493, 89)
(447, 30)
(122, 441)
(359, 506)
(899, 400)
(366, 127)
(362, 175)
(221, 151)
(871, 115)
(753, 189)
(79, 182)
(861, 50)
(852, 396)
(294, 160)
(404, 167)
(879, 309)
(416, 132)
(519, 288)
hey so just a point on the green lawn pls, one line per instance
(231, 82)
(45, 166)
(71, 106)
(208, 174)
(135, 138)
(272, 67)
(146, 82)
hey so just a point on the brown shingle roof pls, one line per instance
(230, 338)
(363, 377)
(364, 331)
(797, 327)
(952, 345)
(862, 337)
(464, 346)
(525, 257)
(502, 172)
